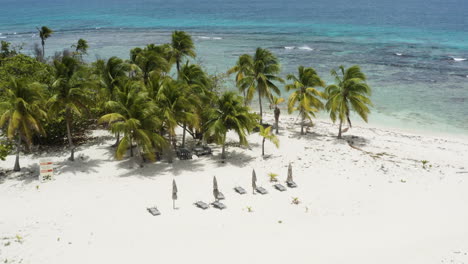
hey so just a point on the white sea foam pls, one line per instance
(305, 48)
(458, 59)
(2, 37)
(217, 38)
(399, 54)
(203, 37)
(289, 47)
(214, 38)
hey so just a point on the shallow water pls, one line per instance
(413, 51)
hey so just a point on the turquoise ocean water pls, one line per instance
(414, 51)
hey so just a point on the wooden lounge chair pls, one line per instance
(291, 184)
(219, 205)
(154, 211)
(261, 190)
(201, 205)
(240, 190)
(279, 187)
(221, 196)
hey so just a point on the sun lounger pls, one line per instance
(221, 196)
(201, 205)
(279, 187)
(219, 205)
(240, 190)
(291, 184)
(154, 211)
(261, 190)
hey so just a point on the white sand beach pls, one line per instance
(371, 203)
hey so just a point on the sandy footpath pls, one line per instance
(369, 202)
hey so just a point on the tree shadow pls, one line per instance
(27, 174)
(177, 167)
(356, 141)
(80, 165)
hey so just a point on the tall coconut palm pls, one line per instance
(243, 68)
(175, 107)
(70, 96)
(22, 113)
(349, 93)
(197, 92)
(151, 62)
(275, 102)
(182, 46)
(262, 78)
(230, 114)
(133, 115)
(44, 33)
(305, 98)
(266, 133)
(81, 47)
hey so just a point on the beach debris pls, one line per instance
(219, 205)
(279, 187)
(240, 190)
(289, 181)
(425, 164)
(154, 211)
(249, 209)
(174, 193)
(201, 205)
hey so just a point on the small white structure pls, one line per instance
(46, 170)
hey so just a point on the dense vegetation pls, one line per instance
(54, 100)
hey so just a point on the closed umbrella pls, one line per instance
(174, 193)
(290, 177)
(215, 188)
(254, 181)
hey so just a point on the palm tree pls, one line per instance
(150, 62)
(350, 92)
(262, 77)
(182, 46)
(243, 68)
(44, 33)
(22, 113)
(69, 94)
(275, 102)
(230, 114)
(133, 115)
(81, 47)
(305, 97)
(175, 107)
(198, 92)
(267, 134)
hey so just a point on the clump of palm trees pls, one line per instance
(350, 93)
(145, 107)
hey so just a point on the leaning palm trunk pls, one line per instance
(184, 128)
(69, 135)
(339, 131)
(277, 114)
(18, 147)
(261, 112)
(117, 141)
(263, 147)
(302, 125)
(223, 152)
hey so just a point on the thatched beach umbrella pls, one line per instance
(174, 193)
(215, 188)
(254, 181)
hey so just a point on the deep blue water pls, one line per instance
(411, 50)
